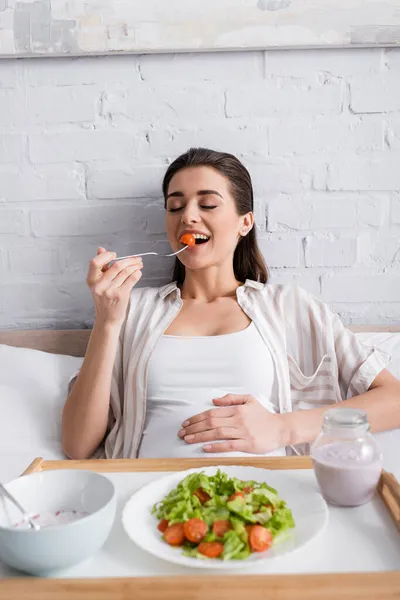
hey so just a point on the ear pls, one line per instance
(247, 223)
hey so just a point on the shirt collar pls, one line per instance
(166, 290)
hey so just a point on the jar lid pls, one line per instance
(348, 418)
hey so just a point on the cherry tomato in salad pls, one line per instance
(221, 527)
(202, 495)
(195, 530)
(260, 538)
(162, 526)
(174, 534)
(236, 495)
(211, 549)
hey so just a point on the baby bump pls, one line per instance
(160, 437)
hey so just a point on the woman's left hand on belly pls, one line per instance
(241, 421)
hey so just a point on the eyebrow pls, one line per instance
(199, 193)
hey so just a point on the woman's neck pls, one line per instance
(207, 286)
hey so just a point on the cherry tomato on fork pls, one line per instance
(188, 239)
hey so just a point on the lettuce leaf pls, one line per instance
(264, 516)
(233, 545)
(280, 521)
(239, 507)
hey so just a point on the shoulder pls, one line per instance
(286, 294)
(146, 292)
(144, 302)
(292, 303)
(147, 296)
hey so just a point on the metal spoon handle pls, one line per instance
(7, 494)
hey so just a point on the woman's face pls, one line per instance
(199, 202)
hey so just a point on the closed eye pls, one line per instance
(172, 210)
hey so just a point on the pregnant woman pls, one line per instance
(219, 360)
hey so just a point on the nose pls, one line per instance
(190, 214)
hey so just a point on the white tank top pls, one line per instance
(186, 373)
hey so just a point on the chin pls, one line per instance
(196, 264)
(199, 266)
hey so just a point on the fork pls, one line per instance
(145, 254)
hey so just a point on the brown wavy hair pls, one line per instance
(248, 262)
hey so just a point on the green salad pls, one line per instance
(222, 517)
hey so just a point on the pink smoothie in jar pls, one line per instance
(346, 460)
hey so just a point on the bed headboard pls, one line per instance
(74, 341)
(57, 341)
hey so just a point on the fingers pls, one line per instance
(232, 400)
(239, 445)
(101, 259)
(220, 433)
(213, 413)
(118, 273)
(208, 425)
(131, 280)
(121, 264)
(124, 274)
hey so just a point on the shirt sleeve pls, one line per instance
(358, 363)
(108, 448)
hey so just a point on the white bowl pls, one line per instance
(57, 547)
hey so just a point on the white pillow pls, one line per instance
(33, 388)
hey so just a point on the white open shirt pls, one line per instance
(317, 361)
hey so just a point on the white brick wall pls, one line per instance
(23, 182)
(84, 143)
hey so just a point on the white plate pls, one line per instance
(309, 511)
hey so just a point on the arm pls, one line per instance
(381, 403)
(243, 422)
(85, 414)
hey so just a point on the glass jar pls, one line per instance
(346, 459)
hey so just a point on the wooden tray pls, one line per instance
(354, 586)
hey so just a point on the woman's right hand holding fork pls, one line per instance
(111, 286)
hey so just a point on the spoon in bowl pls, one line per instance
(7, 494)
